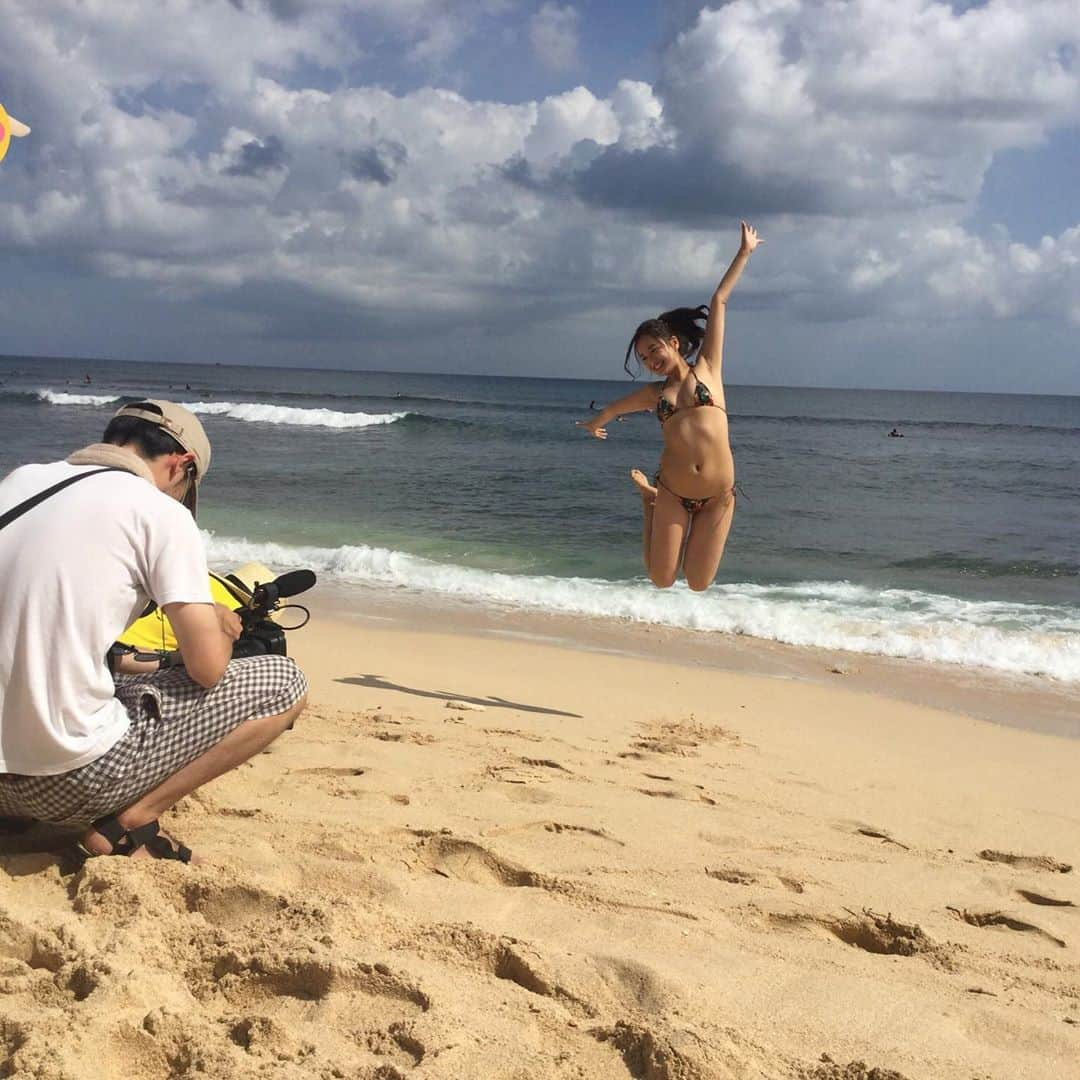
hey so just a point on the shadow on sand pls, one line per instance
(27, 847)
(377, 682)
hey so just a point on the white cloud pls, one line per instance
(553, 31)
(565, 120)
(639, 114)
(998, 277)
(885, 114)
(876, 102)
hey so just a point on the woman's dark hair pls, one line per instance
(679, 322)
(151, 440)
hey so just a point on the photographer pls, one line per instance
(84, 545)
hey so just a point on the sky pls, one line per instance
(511, 186)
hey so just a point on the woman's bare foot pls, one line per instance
(641, 482)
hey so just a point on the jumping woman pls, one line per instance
(687, 514)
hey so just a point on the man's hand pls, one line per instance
(229, 621)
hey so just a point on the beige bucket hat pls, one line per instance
(184, 426)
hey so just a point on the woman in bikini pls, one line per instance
(687, 515)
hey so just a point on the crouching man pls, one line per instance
(84, 545)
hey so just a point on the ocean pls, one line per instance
(957, 543)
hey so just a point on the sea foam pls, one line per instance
(1017, 638)
(57, 397)
(256, 413)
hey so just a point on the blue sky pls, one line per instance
(510, 187)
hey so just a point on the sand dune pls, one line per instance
(601, 867)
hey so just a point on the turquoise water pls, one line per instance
(956, 543)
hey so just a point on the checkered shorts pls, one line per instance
(173, 721)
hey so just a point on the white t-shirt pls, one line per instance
(75, 572)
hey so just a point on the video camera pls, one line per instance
(260, 634)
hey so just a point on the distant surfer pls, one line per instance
(687, 515)
(88, 379)
(894, 434)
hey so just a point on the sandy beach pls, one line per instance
(482, 856)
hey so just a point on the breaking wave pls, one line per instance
(1010, 637)
(256, 413)
(57, 397)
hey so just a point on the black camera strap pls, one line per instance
(41, 496)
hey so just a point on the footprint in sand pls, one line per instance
(880, 934)
(544, 763)
(873, 933)
(744, 877)
(327, 770)
(235, 906)
(557, 827)
(509, 960)
(697, 796)
(586, 986)
(257, 978)
(874, 833)
(1026, 862)
(512, 774)
(732, 876)
(523, 785)
(999, 918)
(1043, 901)
(463, 860)
(419, 738)
(659, 1049)
(526, 793)
(678, 738)
(528, 736)
(340, 783)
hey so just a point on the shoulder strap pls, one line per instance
(41, 496)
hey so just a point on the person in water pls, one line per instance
(687, 514)
(894, 434)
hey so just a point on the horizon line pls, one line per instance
(82, 360)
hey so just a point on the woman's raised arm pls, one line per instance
(712, 348)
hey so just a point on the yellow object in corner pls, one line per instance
(153, 633)
(9, 126)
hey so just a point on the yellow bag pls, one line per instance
(152, 633)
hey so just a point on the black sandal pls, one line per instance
(128, 841)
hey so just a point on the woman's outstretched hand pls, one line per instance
(593, 427)
(750, 239)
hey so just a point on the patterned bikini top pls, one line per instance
(665, 410)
